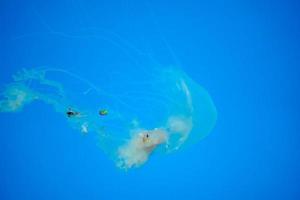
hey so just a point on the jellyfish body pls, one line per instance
(169, 110)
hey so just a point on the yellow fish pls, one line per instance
(103, 112)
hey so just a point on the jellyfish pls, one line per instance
(147, 110)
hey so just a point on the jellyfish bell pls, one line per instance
(144, 105)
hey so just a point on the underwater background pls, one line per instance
(244, 53)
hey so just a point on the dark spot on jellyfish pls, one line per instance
(146, 138)
(103, 112)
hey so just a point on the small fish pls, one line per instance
(71, 113)
(103, 112)
(84, 128)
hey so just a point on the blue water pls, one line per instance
(246, 54)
